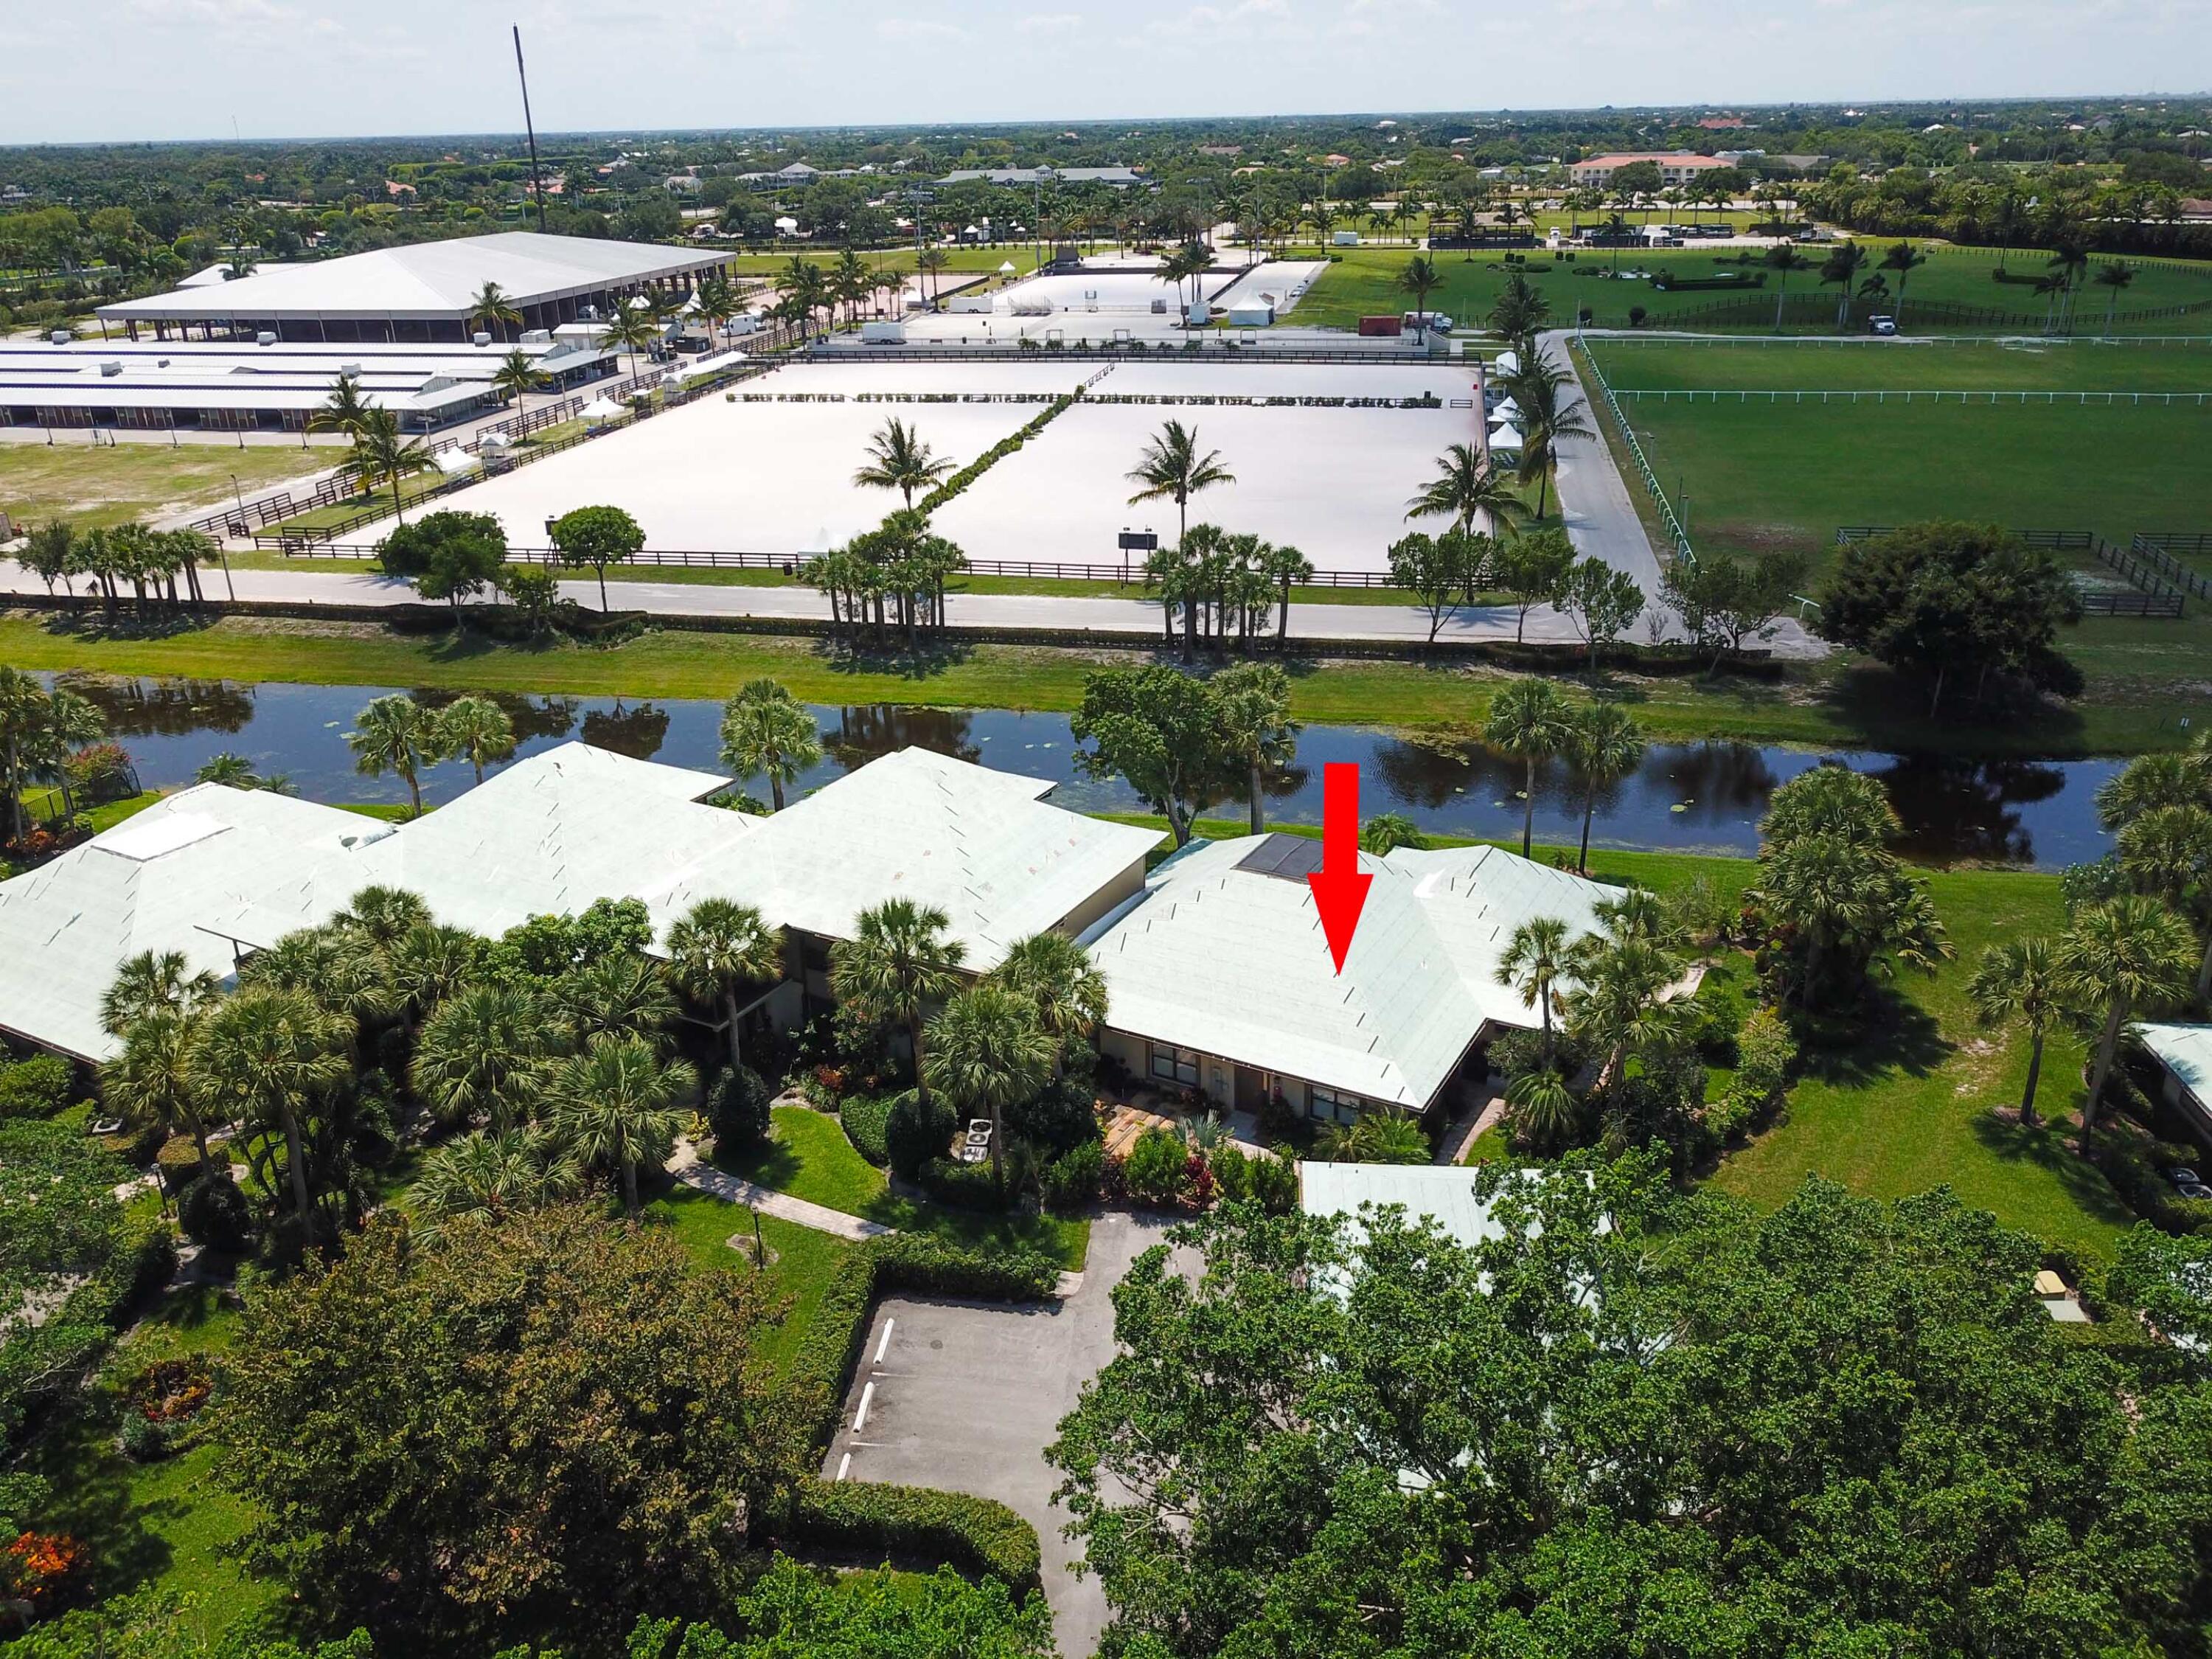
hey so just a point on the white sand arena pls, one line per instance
(777, 476)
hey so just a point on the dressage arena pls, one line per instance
(1325, 456)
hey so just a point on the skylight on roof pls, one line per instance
(144, 839)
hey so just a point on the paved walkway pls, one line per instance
(687, 1168)
(1318, 624)
(1601, 520)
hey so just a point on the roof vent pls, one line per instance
(353, 369)
(112, 367)
(480, 339)
(265, 338)
(61, 337)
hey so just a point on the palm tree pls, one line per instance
(1782, 259)
(1903, 259)
(2127, 954)
(493, 1174)
(851, 279)
(1187, 263)
(718, 303)
(491, 307)
(266, 1055)
(150, 1081)
(226, 767)
(927, 264)
(1604, 744)
(428, 963)
(1545, 420)
(897, 963)
(2017, 983)
(765, 731)
(1387, 831)
(2167, 852)
(345, 409)
(1531, 721)
(1537, 956)
(630, 329)
(1842, 267)
(482, 1055)
(381, 452)
(477, 730)
(898, 460)
(1542, 1109)
(2114, 276)
(1254, 700)
(1058, 977)
(1171, 469)
(623, 994)
(717, 949)
(395, 734)
(1284, 566)
(153, 982)
(619, 1103)
(805, 287)
(2151, 781)
(1616, 1008)
(1467, 484)
(381, 916)
(1376, 1136)
(1419, 276)
(517, 373)
(988, 1052)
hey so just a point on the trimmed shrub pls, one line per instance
(35, 1088)
(915, 1132)
(963, 1186)
(1274, 1185)
(144, 1441)
(1072, 1181)
(973, 1535)
(935, 1267)
(1063, 1117)
(1156, 1168)
(866, 1118)
(178, 1161)
(737, 1110)
(215, 1215)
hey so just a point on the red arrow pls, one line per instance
(1339, 886)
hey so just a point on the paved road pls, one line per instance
(1136, 618)
(1593, 498)
(965, 1396)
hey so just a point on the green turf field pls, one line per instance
(1364, 282)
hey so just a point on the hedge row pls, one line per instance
(40, 1365)
(997, 453)
(974, 1535)
(865, 1117)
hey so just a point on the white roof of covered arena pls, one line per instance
(434, 281)
(1224, 954)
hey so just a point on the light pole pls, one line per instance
(223, 547)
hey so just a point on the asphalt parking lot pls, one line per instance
(965, 1396)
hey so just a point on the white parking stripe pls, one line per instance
(860, 1416)
(883, 1346)
(844, 1464)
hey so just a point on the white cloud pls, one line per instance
(1048, 22)
(917, 28)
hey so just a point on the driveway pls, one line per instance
(1594, 502)
(965, 1396)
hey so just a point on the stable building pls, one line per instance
(1676, 166)
(423, 293)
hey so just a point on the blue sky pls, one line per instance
(184, 68)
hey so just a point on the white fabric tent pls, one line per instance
(601, 408)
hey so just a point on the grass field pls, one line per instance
(1364, 282)
(122, 482)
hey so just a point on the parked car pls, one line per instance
(1881, 325)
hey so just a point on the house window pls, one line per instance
(1169, 1064)
(1332, 1105)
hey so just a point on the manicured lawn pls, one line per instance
(800, 1260)
(809, 1157)
(1659, 364)
(122, 483)
(411, 490)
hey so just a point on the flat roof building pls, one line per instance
(1119, 177)
(423, 292)
(1676, 166)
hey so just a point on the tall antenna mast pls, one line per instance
(536, 185)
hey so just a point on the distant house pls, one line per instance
(1118, 178)
(1676, 166)
(1722, 123)
(799, 174)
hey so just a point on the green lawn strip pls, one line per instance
(121, 483)
(809, 1157)
(800, 1260)
(1809, 366)
(417, 488)
(1905, 1107)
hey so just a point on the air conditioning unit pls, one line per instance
(480, 339)
(353, 369)
(265, 338)
(537, 337)
(61, 337)
(112, 367)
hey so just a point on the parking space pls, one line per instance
(965, 1396)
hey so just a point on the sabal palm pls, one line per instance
(1387, 831)
(629, 330)
(2151, 781)
(381, 451)
(1060, 982)
(618, 1104)
(153, 982)
(898, 460)
(987, 1052)
(483, 1056)
(1782, 260)
(1615, 1007)
(232, 769)
(1637, 913)
(150, 1081)
(1467, 484)
(623, 994)
(1377, 1137)
(1255, 700)
(1902, 260)
(2113, 277)
(2017, 983)
(765, 731)
(269, 1056)
(339, 968)
(429, 963)
(2167, 852)
(1537, 956)
(1419, 278)
(395, 734)
(2125, 956)
(1171, 469)
(491, 307)
(1531, 721)
(717, 949)
(1542, 1110)
(477, 730)
(897, 962)
(1604, 745)
(494, 1175)
(382, 915)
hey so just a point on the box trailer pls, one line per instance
(883, 333)
(1381, 327)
